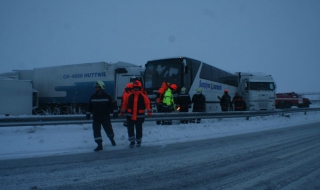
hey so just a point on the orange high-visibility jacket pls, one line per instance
(135, 105)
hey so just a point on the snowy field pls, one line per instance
(34, 141)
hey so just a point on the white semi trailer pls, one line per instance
(17, 97)
(257, 90)
(67, 89)
(71, 86)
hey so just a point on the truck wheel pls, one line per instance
(281, 105)
(288, 105)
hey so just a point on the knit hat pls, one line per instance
(183, 89)
(199, 90)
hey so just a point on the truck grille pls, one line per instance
(263, 105)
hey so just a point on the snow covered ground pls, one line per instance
(33, 141)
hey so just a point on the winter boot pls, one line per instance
(132, 144)
(113, 142)
(99, 147)
(138, 143)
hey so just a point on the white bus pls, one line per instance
(192, 74)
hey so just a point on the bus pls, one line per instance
(191, 74)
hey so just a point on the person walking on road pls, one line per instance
(134, 107)
(99, 106)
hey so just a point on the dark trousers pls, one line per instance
(159, 110)
(184, 120)
(194, 120)
(134, 124)
(106, 124)
(167, 109)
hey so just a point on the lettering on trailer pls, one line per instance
(84, 75)
(211, 86)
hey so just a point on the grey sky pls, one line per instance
(278, 37)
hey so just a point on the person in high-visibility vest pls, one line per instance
(159, 100)
(125, 95)
(168, 104)
(134, 107)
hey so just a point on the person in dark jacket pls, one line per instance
(134, 107)
(225, 101)
(183, 102)
(100, 105)
(199, 105)
(239, 104)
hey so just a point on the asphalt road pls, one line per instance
(286, 158)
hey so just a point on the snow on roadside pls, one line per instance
(32, 141)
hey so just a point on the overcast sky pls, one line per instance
(278, 37)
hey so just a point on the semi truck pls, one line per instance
(257, 90)
(289, 99)
(67, 89)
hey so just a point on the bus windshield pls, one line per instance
(168, 71)
(262, 86)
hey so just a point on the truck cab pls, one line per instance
(257, 90)
(289, 99)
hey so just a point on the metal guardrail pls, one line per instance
(34, 120)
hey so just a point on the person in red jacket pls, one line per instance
(125, 95)
(134, 107)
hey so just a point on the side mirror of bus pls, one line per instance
(186, 70)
